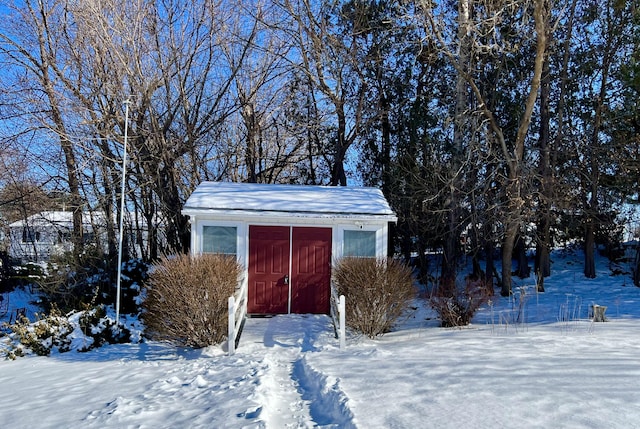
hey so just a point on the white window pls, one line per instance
(220, 239)
(360, 243)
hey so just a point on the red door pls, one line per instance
(310, 270)
(270, 251)
(268, 270)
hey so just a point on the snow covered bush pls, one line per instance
(41, 336)
(97, 329)
(377, 292)
(79, 330)
(456, 303)
(187, 299)
(135, 273)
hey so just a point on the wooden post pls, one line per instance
(231, 337)
(341, 307)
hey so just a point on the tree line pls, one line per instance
(490, 125)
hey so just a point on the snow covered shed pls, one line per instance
(286, 237)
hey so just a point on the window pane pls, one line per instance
(360, 243)
(219, 239)
(29, 235)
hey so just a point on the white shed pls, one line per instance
(286, 236)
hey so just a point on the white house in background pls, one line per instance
(286, 237)
(48, 233)
(43, 235)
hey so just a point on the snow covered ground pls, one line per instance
(558, 369)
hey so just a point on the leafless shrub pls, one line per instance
(187, 298)
(74, 282)
(377, 292)
(456, 303)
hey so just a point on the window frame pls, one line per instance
(220, 224)
(356, 229)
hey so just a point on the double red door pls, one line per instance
(289, 270)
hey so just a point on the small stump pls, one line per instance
(598, 313)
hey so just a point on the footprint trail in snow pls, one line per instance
(289, 393)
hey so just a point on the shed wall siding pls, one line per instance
(381, 230)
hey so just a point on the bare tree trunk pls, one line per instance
(514, 191)
(520, 249)
(589, 250)
(108, 197)
(58, 125)
(75, 197)
(512, 225)
(338, 175)
(542, 265)
(451, 247)
(253, 131)
(548, 194)
(312, 136)
(591, 221)
(489, 266)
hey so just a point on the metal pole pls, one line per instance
(121, 231)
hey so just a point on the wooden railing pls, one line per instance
(237, 314)
(338, 316)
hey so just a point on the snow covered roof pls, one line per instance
(292, 199)
(57, 218)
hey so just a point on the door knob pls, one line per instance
(286, 280)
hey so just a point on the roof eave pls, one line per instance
(198, 211)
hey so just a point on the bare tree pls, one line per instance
(327, 59)
(169, 60)
(260, 90)
(512, 154)
(35, 45)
